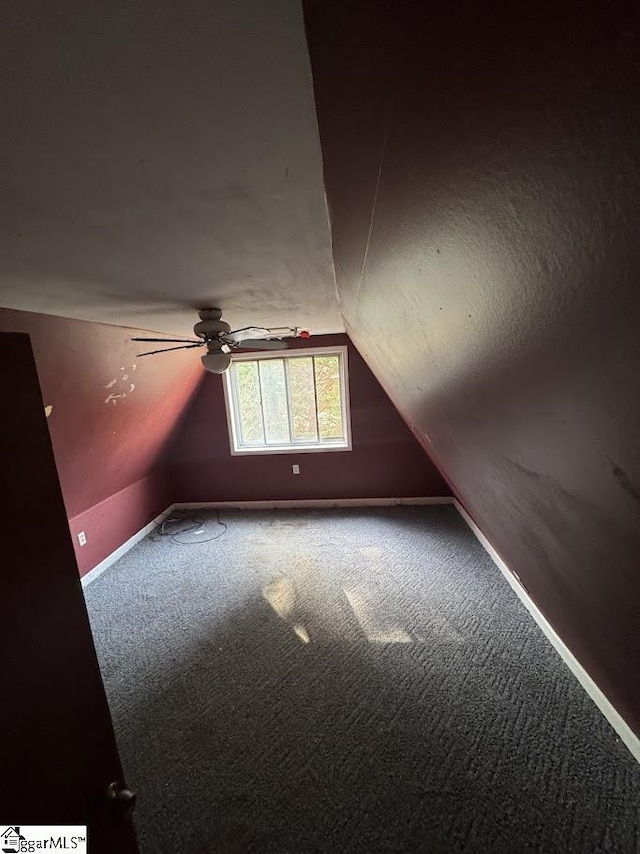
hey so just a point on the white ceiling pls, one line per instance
(162, 156)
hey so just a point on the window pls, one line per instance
(280, 404)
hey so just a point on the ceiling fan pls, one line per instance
(220, 340)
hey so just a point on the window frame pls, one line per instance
(231, 405)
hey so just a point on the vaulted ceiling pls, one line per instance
(159, 157)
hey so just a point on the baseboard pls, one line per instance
(124, 548)
(286, 504)
(621, 727)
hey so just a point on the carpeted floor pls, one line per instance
(349, 680)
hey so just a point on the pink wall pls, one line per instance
(113, 521)
(386, 460)
(112, 417)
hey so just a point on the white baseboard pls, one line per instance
(621, 727)
(286, 504)
(124, 548)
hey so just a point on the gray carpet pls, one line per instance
(349, 680)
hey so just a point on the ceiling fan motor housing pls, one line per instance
(210, 328)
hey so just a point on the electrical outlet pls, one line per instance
(82, 538)
(295, 468)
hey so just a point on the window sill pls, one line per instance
(292, 450)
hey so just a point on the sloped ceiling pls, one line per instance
(158, 157)
(483, 180)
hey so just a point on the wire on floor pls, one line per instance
(176, 527)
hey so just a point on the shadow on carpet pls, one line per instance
(358, 680)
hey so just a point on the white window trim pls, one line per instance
(290, 449)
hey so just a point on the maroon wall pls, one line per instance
(386, 460)
(111, 522)
(108, 449)
(483, 180)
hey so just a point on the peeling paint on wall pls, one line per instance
(113, 396)
(102, 448)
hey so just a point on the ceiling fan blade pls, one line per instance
(237, 335)
(168, 349)
(262, 344)
(168, 340)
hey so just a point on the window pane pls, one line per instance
(249, 406)
(274, 401)
(329, 397)
(303, 399)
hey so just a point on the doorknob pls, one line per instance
(120, 801)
